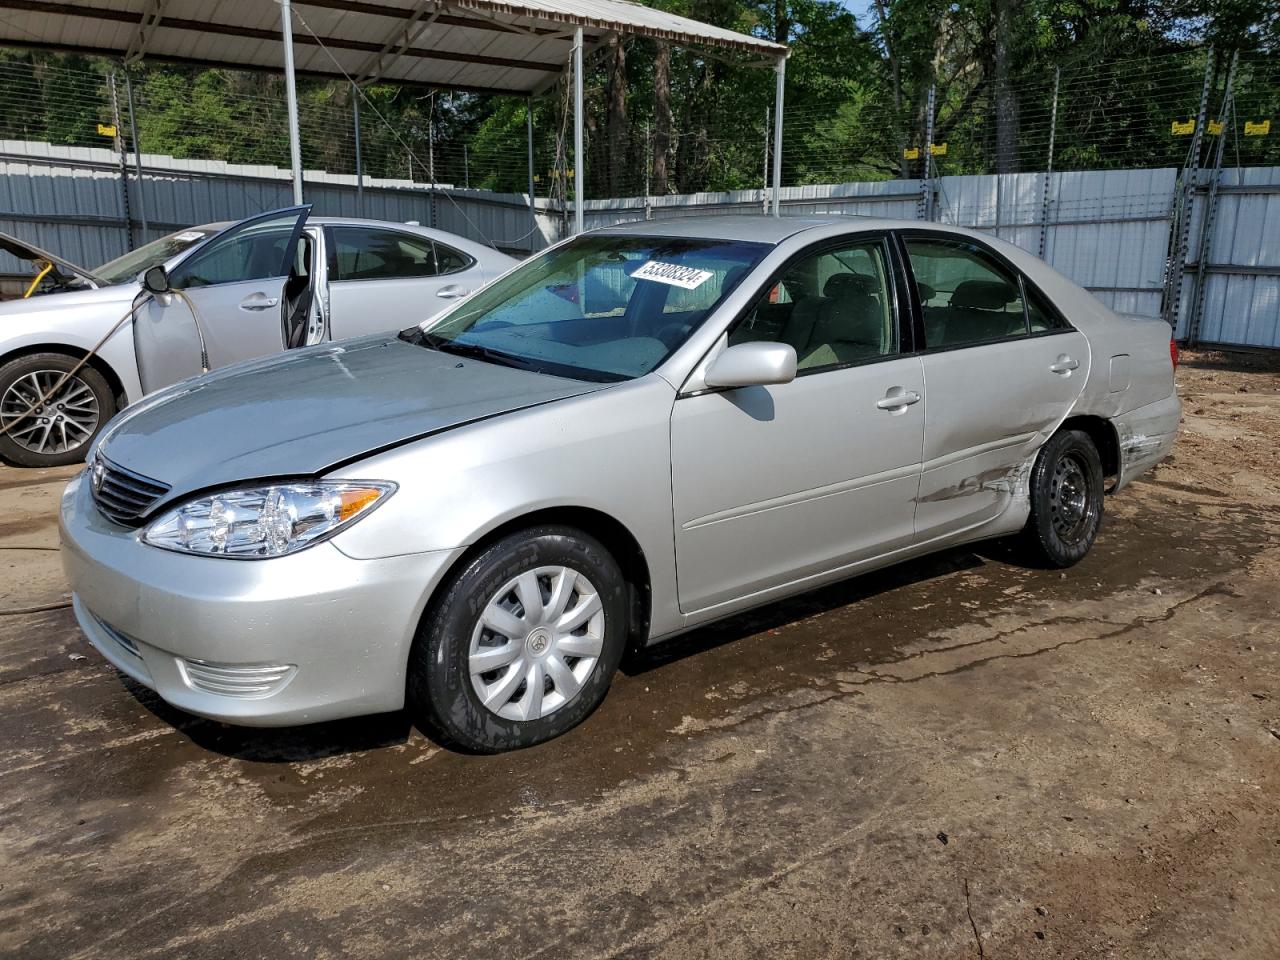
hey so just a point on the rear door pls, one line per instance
(1001, 367)
(773, 485)
(383, 279)
(236, 281)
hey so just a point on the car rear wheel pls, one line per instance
(523, 643)
(1066, 501)
(40, 428)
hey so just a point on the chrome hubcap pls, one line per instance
(536, 643)
(1069, 499)
(64, 421)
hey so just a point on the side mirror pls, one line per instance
(155, 280)
(752, 365)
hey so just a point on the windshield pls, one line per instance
(123, 269)
(599, 307)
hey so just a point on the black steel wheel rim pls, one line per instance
(1071, 504)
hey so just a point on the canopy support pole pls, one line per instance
(777, 136)
(533, 207)
(137, 152)
(577, 132)
(355, 126)
(291, 94)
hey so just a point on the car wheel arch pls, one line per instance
(75, 353)
(612, 534)
(1104, 436)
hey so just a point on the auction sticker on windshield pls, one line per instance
(672, 273)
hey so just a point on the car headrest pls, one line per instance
(983, 295)
(927, 292)
(850, 318)
(845, 284)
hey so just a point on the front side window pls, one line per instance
(368, 253)
(254, 250)
(834, 307)
(599, 307)
(967, 297)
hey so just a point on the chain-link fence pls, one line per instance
(1124, 114)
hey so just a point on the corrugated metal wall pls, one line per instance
(1240, 302)
(1107, 230)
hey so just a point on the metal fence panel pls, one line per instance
(1107, 230)
(1241, 303)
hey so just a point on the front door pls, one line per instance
(1002, 370)
(242, 287)
(774, 485)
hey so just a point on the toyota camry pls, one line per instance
(641, 430)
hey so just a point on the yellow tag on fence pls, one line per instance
(1182, 129)
(911, 153)
(1215, 127)
(1257, 128)
(938, 149)
(107, 130)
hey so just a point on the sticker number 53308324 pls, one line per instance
(690, 278)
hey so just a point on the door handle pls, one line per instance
(258, 301)
(898, 399)
(450, 293)
(1064, 365)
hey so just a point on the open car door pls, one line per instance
(49, 272)
(245, 286)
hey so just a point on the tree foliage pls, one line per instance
(665, 119)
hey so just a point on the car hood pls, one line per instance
(308, 411)
(26, 251)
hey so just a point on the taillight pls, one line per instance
(1173, 352)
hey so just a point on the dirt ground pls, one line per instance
(958, 757)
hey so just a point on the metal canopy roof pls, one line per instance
(498, 46)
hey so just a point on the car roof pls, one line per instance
(762, 228)
(223, 224)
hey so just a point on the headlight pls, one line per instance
(254, 523)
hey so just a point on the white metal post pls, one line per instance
(577, 132)
(355, 125)
(777, 136)
(533, 207)
(291, 93)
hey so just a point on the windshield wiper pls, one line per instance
(476, 352)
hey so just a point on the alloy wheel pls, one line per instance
(63, 422)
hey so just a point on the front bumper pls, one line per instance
(1146, 436)
(299, 639)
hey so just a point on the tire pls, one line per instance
(446, 690)
(46, 441)
(1066, 501)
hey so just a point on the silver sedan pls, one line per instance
(639, 431)
(272, 282)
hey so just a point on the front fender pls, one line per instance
(74, 323)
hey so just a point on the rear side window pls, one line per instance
(1040, 318)
(449, 260)
(369, 253)
(966, 295)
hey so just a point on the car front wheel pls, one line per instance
(523, 643)
(1066, 500)
(46, 418)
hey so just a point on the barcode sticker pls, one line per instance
(690, 278)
